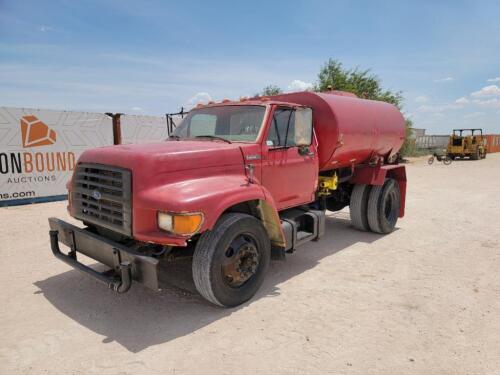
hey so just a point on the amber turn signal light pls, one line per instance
(181, 224)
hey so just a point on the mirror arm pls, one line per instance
(304, 150)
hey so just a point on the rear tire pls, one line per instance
(230, 261)
(383, 206)
(358, 206)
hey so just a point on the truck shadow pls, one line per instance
(142, 318)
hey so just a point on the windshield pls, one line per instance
(467, 132)
(231, 122)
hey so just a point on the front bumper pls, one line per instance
(125, 264)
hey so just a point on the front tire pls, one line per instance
(383, 206)
(230, 261)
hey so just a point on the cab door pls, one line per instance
(290, 160)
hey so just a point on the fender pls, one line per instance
(376, 175)
(209, 195)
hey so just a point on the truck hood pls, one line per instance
(167, 156)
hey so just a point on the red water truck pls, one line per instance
(238, 183)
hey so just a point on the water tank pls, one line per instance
(351, 130)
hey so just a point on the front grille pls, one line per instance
(101, 195)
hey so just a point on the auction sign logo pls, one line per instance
(35, 133)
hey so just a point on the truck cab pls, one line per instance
(274, 156)
(236, 183)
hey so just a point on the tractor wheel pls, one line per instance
(358, 206)
(230, 261)
(383, 206)
(475, 155)
(447, 160)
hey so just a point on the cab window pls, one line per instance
(290, 127)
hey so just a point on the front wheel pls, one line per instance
(431, 160)
(447, 160)
(230, 261)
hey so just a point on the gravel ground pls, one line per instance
(422, 300)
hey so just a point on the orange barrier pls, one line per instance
(493, 142)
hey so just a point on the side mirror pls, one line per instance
(303, 127)
(305, 151)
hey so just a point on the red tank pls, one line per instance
(349, 129)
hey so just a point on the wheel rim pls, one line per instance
(241, 260)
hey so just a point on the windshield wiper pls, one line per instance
(213, 137)
(173, 136)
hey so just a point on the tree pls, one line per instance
(409, 146)
(333, 76)
(271, 90)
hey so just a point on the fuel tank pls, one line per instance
(351, 130)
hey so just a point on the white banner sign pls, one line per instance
(141, 129)
(39, 149)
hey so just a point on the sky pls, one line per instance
(152, 57)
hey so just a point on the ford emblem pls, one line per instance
(96, 195)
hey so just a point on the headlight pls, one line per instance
(181, 224)
(165, 221)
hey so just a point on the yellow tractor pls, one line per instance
(467, 143)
